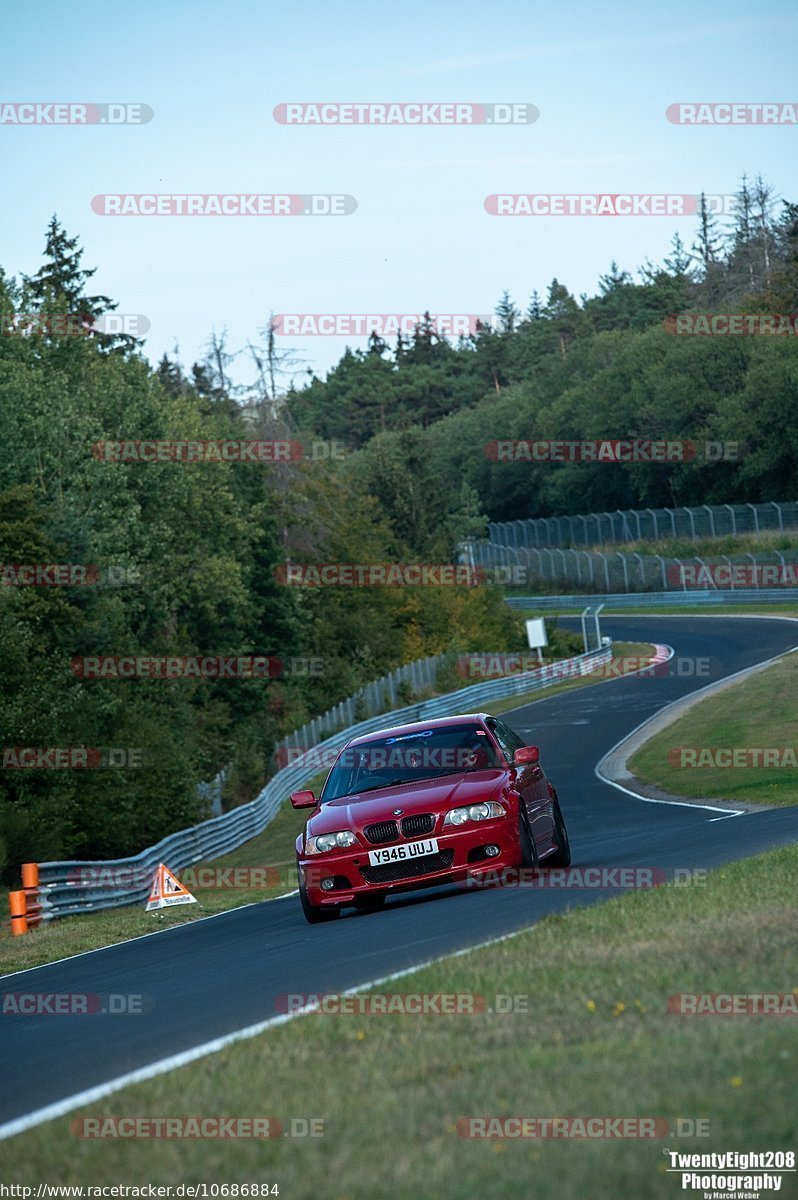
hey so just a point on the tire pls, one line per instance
(562, 856)
(313, 914)
(529, 852)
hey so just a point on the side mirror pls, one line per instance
(303, 800)
(526, 755)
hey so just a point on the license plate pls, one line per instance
(379, 858)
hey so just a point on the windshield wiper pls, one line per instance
(395, 782)
(377, 786)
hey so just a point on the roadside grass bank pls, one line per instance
(592, 1036)
(706, 547)
(716, 750)
(693, 610)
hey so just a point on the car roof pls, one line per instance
(417, 727)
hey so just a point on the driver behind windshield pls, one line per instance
(429, 754)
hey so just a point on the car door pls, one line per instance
(530, 784)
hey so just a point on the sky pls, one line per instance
(601, 76)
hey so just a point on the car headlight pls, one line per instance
(331, 841)
(474, 812)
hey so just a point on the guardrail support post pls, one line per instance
(30, 875)
(23, 903)
(18, 906)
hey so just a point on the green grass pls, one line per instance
(760, 712)
(707, 547)
(758, 610)
(597, 1040)
(749, 610)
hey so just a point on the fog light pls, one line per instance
(492, 851)
(327, 885)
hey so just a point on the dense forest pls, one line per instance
(185, 557)
(564, 368)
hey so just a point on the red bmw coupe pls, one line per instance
(434, 802)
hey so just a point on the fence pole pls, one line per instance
(733, 519)
(622, 557)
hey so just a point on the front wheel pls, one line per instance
(562, 855)
(313, 914)
(529, 852)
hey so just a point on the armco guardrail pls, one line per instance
(68, 888)
(714, 599)
(611, 571)
(644, 524)
(373, 698)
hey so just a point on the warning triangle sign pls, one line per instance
(167, 890)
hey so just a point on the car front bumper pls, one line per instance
(461, 855)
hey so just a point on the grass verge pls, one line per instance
(697, 610)
(269, 854)
(273, 850)
(597, 1039)
(755, 714)
(706, 610)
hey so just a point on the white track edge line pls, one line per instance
(161, 1066)
(710, 687)
(140, 936)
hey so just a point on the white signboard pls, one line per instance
(536, 633)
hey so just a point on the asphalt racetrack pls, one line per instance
(214, 977)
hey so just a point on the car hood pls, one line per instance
(428, 796)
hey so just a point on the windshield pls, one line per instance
(408, 758)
